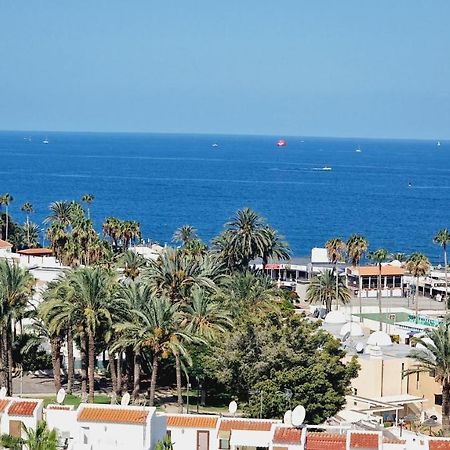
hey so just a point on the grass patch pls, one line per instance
(75, 400)
(399, 317)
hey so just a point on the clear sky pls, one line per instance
(375, 68)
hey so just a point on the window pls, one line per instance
(438, 399)
(224, 444)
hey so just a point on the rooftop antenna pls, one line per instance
(125, 399)
(287, 418)
(3, 392)
(232, 407)
(60, 396)
(298, 416)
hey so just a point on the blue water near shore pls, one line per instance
(164, 181)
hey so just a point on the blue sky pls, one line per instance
(377, 68)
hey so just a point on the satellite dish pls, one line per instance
(60, 396)
(287, 419)
(346, 336)
(125, 399)
(359, 347)
(232, 407)
(298, 415)
(3, 392)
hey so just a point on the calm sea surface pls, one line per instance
(164, 181)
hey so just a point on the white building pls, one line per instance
(16, 412)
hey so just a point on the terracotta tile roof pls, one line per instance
(36, 251)
(181, 421)
(243, 424)
(374, 270)
(3, 404)
(5, 244)
(285, 435)
(22, 408)
(60, 407)
(367, 441)
(436, 444)
(325, 441)
(113, 415)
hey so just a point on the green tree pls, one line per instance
(88, 199)
(443, 239)
(335, 250)
(433, 356)
(27, 208)
(16, 287)
(185, 234)
(132, 264)
(39, 438)
(418, 266)
(6, 200)
(357, 245)
(276, 247)
(322, 289)
(379, 257)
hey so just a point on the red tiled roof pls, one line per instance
(22, 408)
(367, 441)
(242, 424)
(325, 441)
(36, 251)
(181, 421)
(285, 435)
(3, 404)
(436, 444)
(374, 270)
(60, 407)
(113, 415)
(5, 244)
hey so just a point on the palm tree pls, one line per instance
(222, 246)
(154, 328)
(184, 234)
(16, 287)
(27, 208)
(276, 246)
(418, 266)
(61, 213)
(6, 199)
(39, 438)
(88, 199)
(322, 289)
(32, 233)
(132, 264)
(335, 250)
(379, 257)
(443, 239)
(357, 245)
(433, 356)
(249, 238)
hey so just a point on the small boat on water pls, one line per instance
(358, 150)
(45, 141)
(215, 145)
(281, 143)
(438, 143)
(326, 168)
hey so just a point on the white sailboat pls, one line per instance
(45, 141)
(438, 143)
(358, 150)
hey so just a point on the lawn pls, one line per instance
(399, 317)
(75, 400)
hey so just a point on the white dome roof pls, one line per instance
(353, 328)
(335, 317)
(380, 339)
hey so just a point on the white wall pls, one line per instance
(186, 438)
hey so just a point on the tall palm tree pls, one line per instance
(322, 289)
(154, 328)
(443, 239)
(249, 238)
(60, 212)
(433, 356)
(6, 200)
(418, 266)
(335, 250)
(133, 263)
(222, 245)
(357, 245)
(88, 199)
(379, 257)
(16, 287)
(184, 234)
(27, 208)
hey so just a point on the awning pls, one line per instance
(224, 434)
(251, 438)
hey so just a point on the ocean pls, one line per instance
(394, 192)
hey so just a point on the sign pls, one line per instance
(424, 320)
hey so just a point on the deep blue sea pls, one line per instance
(164, 181)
